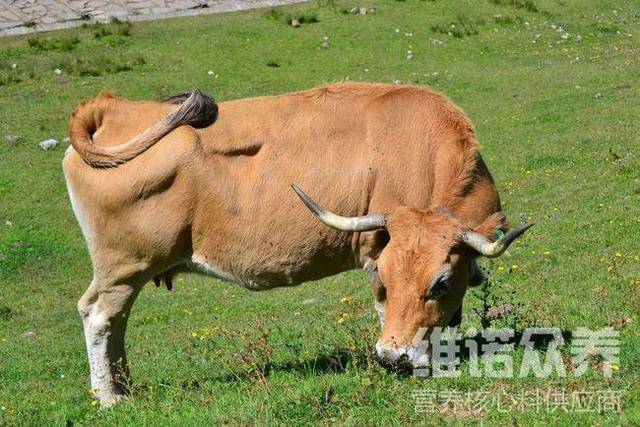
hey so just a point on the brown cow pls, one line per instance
(159, 189)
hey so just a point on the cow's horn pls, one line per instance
(490, 249)
(342, 223)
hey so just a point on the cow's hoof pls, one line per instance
(111, 399)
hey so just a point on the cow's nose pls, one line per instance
(390, 354)
(393, 358)
(401, 357)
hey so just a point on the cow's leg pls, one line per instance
(105, 310)
(379, 291)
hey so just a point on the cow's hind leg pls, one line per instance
(105, 309)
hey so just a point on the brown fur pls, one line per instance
(220, 195)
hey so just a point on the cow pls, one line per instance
(189, 185)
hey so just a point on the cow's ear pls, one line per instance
(494, 226)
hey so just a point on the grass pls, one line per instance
(558, 119)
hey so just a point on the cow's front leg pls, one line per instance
(379, 291)
(105, 310)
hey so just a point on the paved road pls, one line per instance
(28, 16)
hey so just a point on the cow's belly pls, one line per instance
(200, 264)
(258, 268)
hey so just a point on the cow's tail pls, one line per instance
(196, 109)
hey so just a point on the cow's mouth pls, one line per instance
(402, 360)
(402, 366)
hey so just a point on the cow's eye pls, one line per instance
(439, 287)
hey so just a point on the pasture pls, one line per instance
(553, 88)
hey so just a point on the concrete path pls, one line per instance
(29, 16)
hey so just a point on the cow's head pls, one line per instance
(425, 268)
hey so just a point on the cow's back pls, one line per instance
(356, 148)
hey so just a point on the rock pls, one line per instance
(578, 38)
(48, 144)
(30, 335)
(598, 95)
(354, 10)
(373, 10)
(58, 71)
(210, 72)
(325, 45)
(295, 23)
(13, 139)
(14, 65)
(362, 10)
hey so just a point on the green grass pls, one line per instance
(559, 122)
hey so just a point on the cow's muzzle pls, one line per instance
(401, 358)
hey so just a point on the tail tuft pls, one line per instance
(196, 109)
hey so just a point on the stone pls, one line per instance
(28, 16)
(13, 139)
(48, 144)
(295, 23)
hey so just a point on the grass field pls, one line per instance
(553, 88)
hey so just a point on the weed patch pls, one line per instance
(461, 26)
(301, 17)
(59, 44)
(520, 4)
(100, 64)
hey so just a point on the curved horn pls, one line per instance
(342, 223)
(490, 249)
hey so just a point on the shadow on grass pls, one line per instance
(339, 360)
